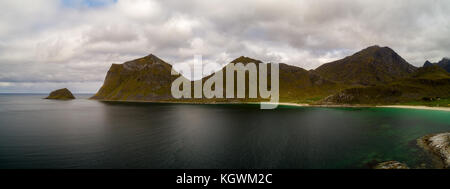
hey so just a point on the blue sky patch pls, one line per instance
(87, 3)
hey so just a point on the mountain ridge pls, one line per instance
(444, 63)
(373, 73)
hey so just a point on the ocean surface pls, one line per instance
(82, 133)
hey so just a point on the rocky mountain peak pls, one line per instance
(372, 65)
(245, 60)
(144, 62)
(444, 60)
(427, 64)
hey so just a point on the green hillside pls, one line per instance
(375, 75)
(147, 78)
(424, 85)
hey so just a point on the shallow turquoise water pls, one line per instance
(38, 133)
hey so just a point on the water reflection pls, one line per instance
(91, 134)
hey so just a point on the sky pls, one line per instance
(51, 44)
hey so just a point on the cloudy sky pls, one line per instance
(49, 44)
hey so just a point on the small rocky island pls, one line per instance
(439, 145)
(61, 94)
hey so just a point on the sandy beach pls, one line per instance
(296, 105)
(368, 106)
(416, 107)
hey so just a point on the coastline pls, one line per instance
(438, 146)
(370, 106)
(292, 104)
(416, 107)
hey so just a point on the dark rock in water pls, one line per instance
(391, 165)
(61, 94)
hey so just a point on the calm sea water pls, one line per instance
(82, 133)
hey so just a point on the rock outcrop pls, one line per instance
(438, 144)
(61, 94)
(391, 165)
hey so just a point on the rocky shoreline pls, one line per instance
(438, 145)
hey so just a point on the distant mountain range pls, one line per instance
(375, 75)
(444, 63)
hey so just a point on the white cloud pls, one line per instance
(138, 9)
(44, 42)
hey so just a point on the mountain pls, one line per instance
(375, 75)
(300, 85)
(61, 94)
(373, 65)
(444, 63)
(427, 64)
(431, 82)
(148, 78)
(430, 72)
(295, 84)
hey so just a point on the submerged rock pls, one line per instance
(391, 165)
(438, 144)
(61, 94)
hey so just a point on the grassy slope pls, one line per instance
(422, 86)
(147, 78)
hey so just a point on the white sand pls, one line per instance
(417, 107)
(362, 106)
(295, 104)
